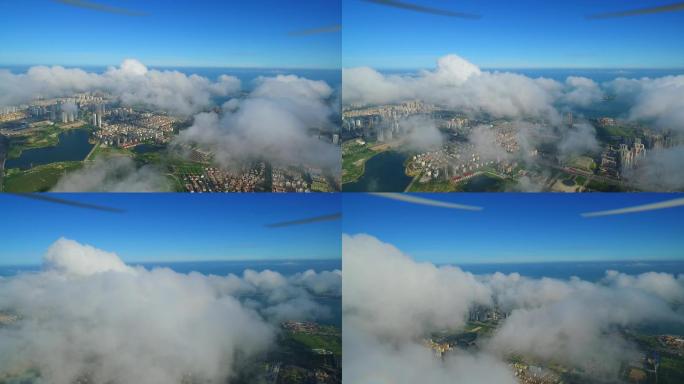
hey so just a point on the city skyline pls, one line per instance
(174, 227)
(551, 226)
(186, 34)
(528, 34)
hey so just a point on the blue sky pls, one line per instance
(535, 227)
(232, 33)
(173, 227)
(513, 34)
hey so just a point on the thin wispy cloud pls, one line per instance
(308, 220)
(641, 11)
(423, 9)
(317, 31)
(407, 198)
(639, 208)
(101, 7)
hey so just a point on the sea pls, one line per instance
(586, 270)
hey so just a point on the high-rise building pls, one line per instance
(99, 121)
(64, 117)
(95, 119)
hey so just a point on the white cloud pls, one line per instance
(457, 83)
(71, 258)
(132, 83)
(88, 314)
(391, 302)
(113, 174)
(660, 100)
(273, 122)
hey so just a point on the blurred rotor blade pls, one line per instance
(316, 31)
(77, 204)
(639, 208)
(423, 9)
(308, 220)
(641, 11)
(101, 7)
(409, 198)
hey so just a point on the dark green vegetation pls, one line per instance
(36, 138)
(300, 357)
(431, 186)
(611, 133)
(329, 339)
(601, 186)
(354, 157)
(299, 360)
(37, 179)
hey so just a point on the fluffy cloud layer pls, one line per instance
(390, 302)
(132, 82)
(457, 83)
(273, 122)
(88, 314)
(660, 100)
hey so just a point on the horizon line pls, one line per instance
(171, 66)
(514, 67)
(192, 261)
(557, 261)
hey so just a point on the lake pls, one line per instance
(73, 146)
(383, 173)
(147, 148)
(483, 183)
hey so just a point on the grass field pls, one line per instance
(330, 343)
(354, 157)
(101, 150)
(671, 370)
(46, 137)
(37, 179)
(431, 186)
(605, 133)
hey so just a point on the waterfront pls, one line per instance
(383, 172)
(73, 146)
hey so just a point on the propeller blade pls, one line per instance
(639, 208)
(101, 7)
(77, 204)
(308, 220)
(423, 9)
(638, 12)
(408, 198)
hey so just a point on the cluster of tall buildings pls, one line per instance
(380, 122)
(616, 160)
(97, 115)
(630, 157)
(8, 110)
